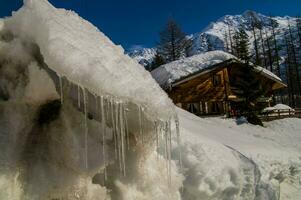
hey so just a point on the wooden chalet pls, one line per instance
(204, 84)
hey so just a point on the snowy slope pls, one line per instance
(228, 159)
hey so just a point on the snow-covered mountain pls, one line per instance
(213, 37)
(143, 56)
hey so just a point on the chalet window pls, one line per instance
(217, 80)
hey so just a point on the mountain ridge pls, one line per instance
(212, 37)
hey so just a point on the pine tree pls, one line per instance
(242, 45)
(274, 24)
(249, 89)
(269, 52)
(294, 59)
(157, 62)
(226, 44)
(230, 40)
(289, 74)
(253, 25)
(173, 42)
(298, 24)
(188, 47)
(209, 45)
(248, 85)
(260, 27)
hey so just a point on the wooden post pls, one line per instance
(226, 94)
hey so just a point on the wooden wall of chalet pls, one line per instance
(201, 88)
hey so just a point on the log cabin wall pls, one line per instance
(204, 94)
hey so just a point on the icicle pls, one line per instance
(179, 141)
(122, 135)
(97, 116)
(113, 127)
(166, 150)
(127, 134)
(119, 137)
(61, 89)
(86, 127)
(140, 124)
(103, 128)
(157, 128)
(78, 96)
(168, 147)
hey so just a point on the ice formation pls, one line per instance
(75, 111)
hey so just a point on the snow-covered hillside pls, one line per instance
(231, 159)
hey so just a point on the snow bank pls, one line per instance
(171, 72)
(74, 48)
(224, 160)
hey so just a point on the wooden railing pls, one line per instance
(280, 114)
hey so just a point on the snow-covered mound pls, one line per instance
(228, 159)
(74, 48)
(171, 72)
(278, 107)
(78, 118)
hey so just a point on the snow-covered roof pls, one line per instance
(170, 73)
(74, 48)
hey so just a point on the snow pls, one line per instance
(75, 49)
(282, 107)
(224, 159)
(167, 74)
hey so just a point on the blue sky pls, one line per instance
(137, 22)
